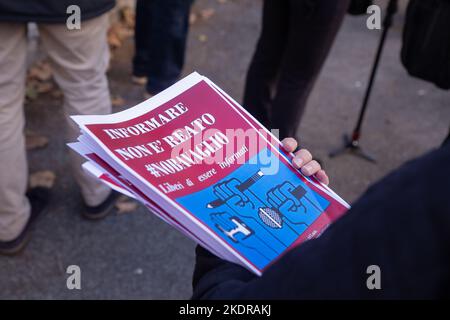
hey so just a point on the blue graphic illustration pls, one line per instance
(258, 213)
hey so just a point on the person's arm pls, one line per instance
(400, 225)
(211, 271)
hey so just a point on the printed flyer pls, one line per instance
(204, 165)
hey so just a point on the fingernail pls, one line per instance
(307, 168)
(298, 162)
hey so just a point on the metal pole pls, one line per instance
(351, 144)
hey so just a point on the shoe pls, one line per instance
(141, 81)
(39, 198)
(103, 209)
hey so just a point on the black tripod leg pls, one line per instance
(341, 150)
(359, 152)
(352, 146)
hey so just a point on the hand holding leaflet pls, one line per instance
(181, 153)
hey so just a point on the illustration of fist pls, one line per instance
(288, 204)
(229, 193)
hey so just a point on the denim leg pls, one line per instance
(166, 36)
(141, 39)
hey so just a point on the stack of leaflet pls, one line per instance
(196, 159)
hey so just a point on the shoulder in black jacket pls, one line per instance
(50, 11)
(401, 224)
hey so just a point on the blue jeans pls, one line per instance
(160, 39)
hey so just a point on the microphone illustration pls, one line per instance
(273, 218)
(242, 187)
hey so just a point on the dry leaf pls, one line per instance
(128, 17)
(35, 141)
(203, 38)
(41, 71)
(222, 1)
(44, 179)
(117, 33)
(117, 101)
(192, 18)
(30, 91)
(207, 13)
(56, 94)
(125, 32)
(34, 87)
(44, 87)
(126, 206)
(114, 39)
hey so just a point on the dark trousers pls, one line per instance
(160, 38)
(295, 39)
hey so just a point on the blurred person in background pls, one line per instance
(160, 42)
(79, 60)
(295, 40)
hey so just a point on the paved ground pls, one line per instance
(135, 255)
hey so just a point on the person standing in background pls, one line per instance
(160, 42)
(79, 61)
(295, 40)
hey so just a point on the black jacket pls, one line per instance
(401, 224)
(50, 11)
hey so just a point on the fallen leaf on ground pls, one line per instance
(56, 93)
(127, 16)
(41, 71)
(192, 18)
(203, 38)
(45, 178)
(117, 32)
(117, 101)
(44, 87)
(114, 37)
(126, 205)
(207, 13)
(30, 91)
(35, 141)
